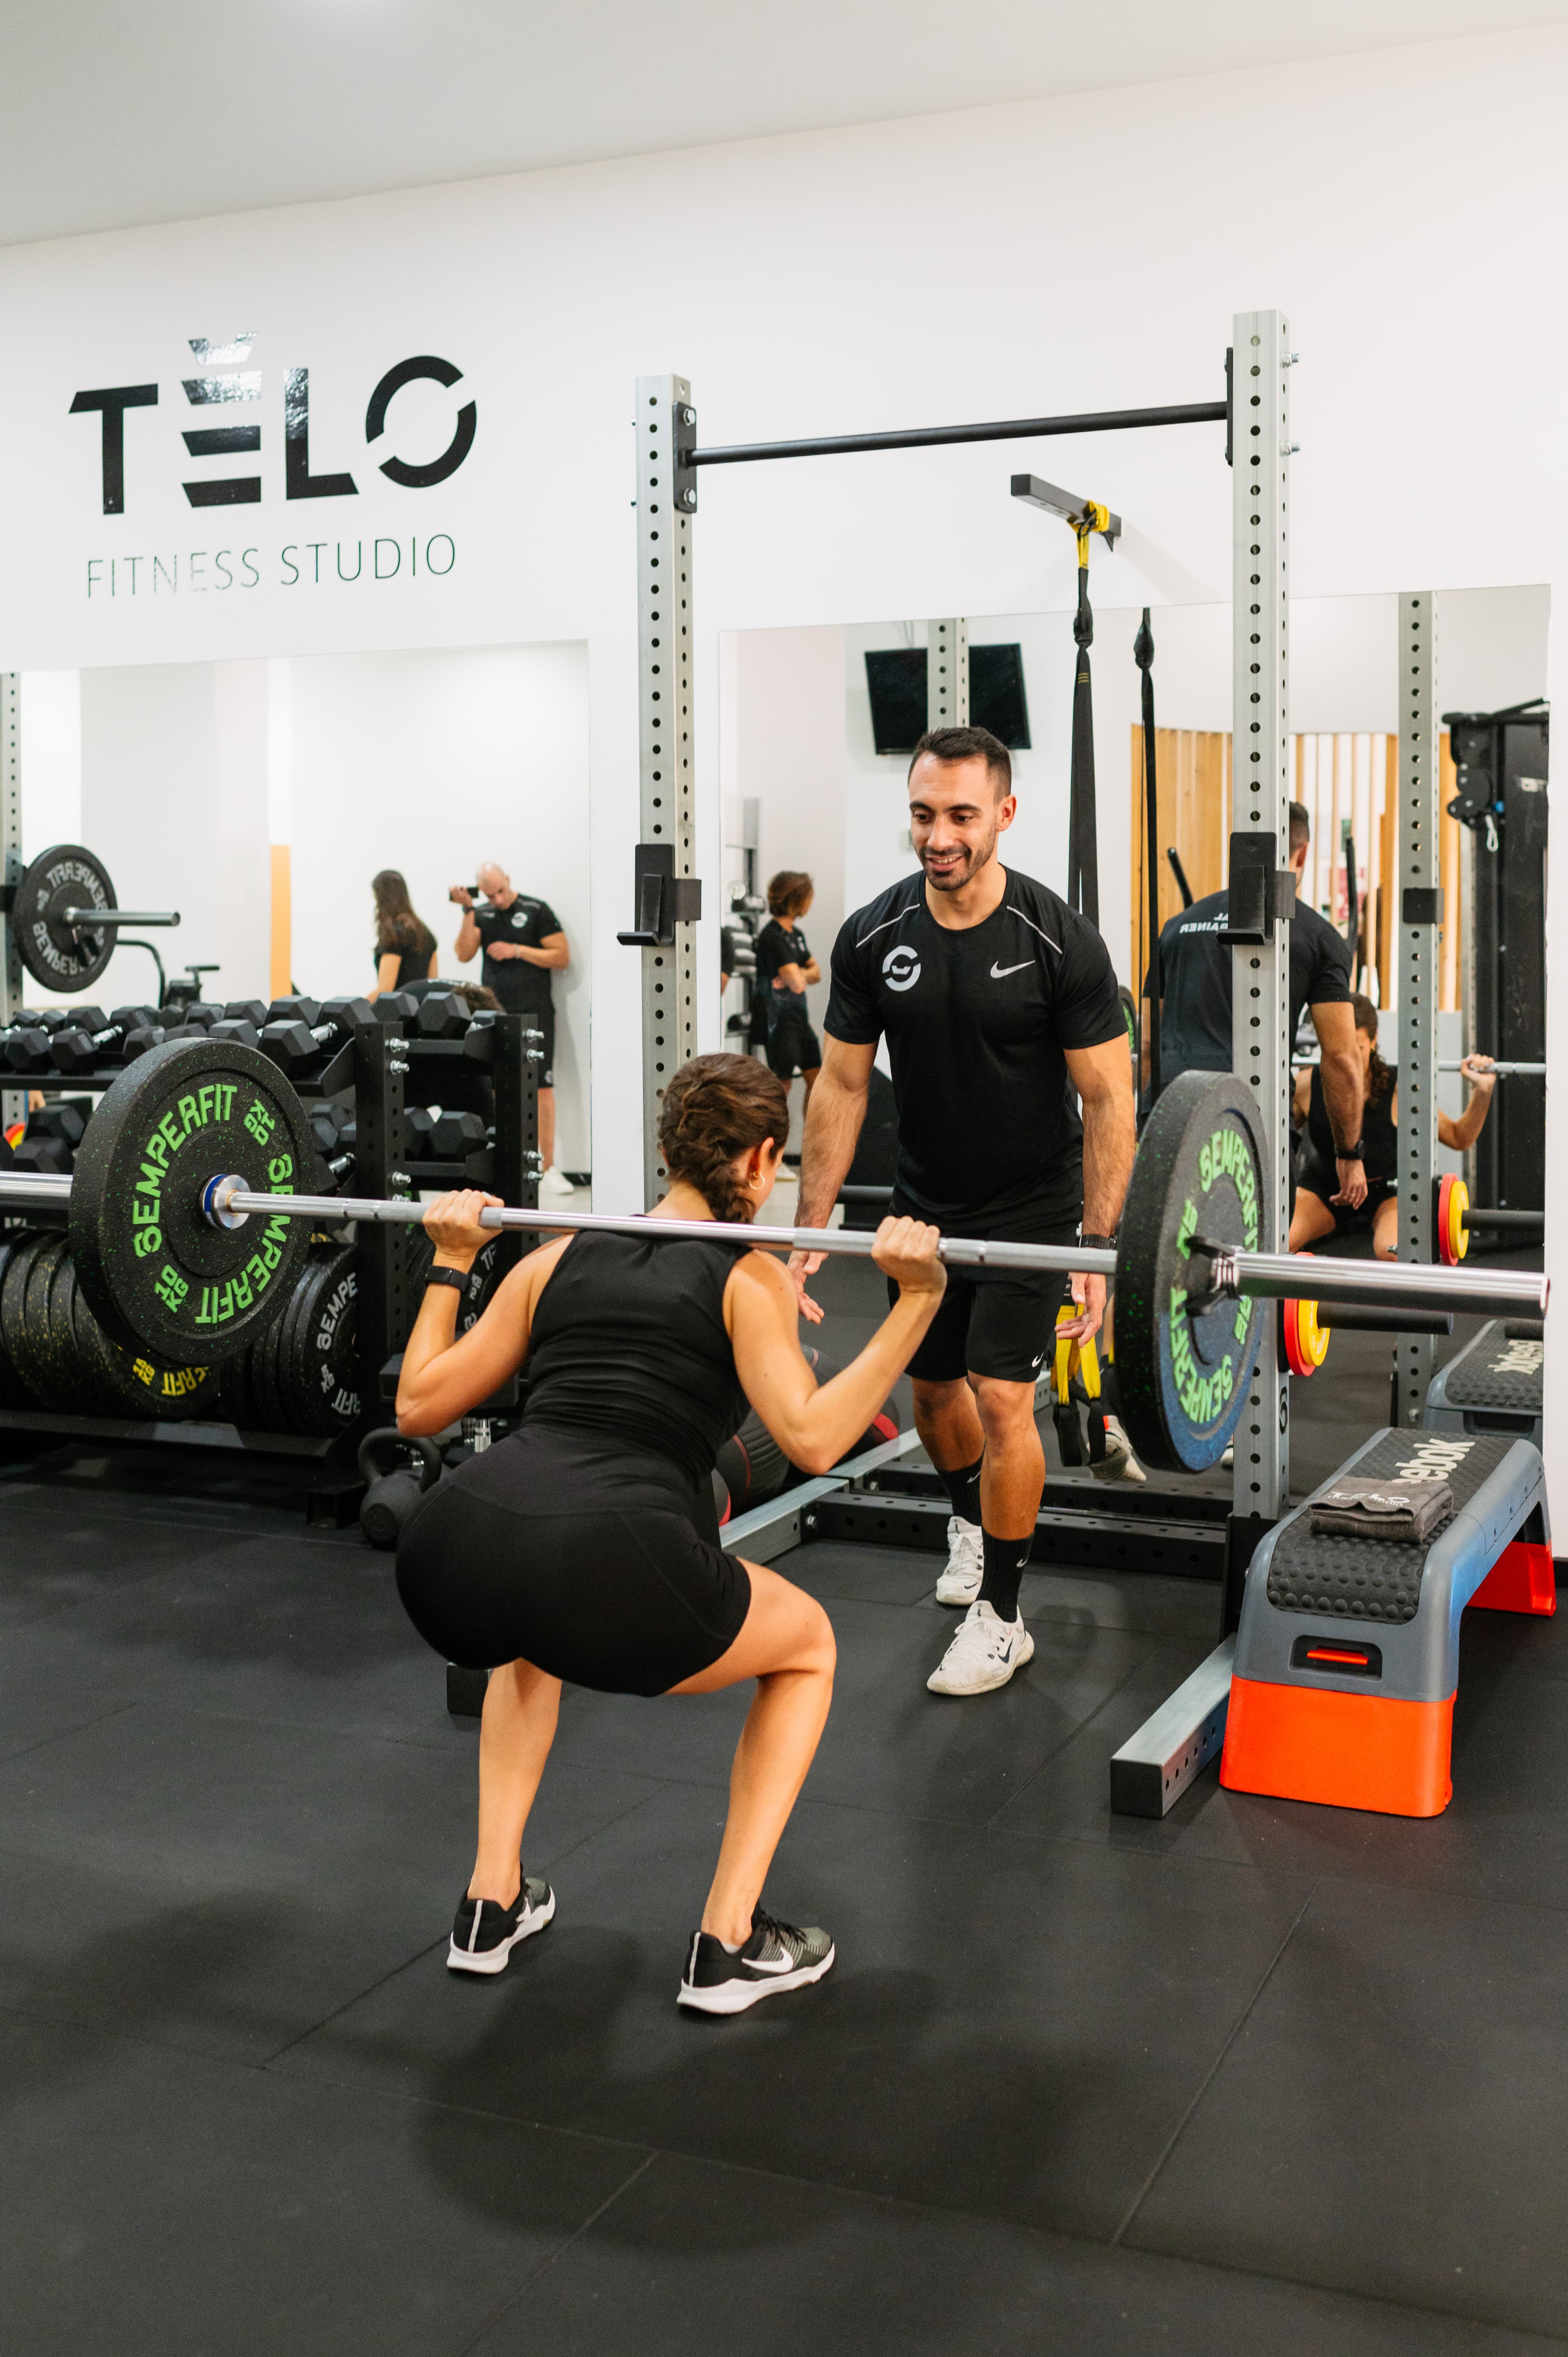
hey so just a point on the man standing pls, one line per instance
(1000, 1005)
(523, 945)
(1195, 1015)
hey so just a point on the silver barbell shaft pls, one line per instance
(966, 1252)
(1525, 1071)
(1413, 1285)
(97, 919)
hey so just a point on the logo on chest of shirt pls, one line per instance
(519, 920)
(901, 968)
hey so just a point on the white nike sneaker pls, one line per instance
(555, 1182)
(984, 1655)
(960, 1582)
(1118, 1464)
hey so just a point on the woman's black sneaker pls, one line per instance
(776, 1956)
(484, 1932)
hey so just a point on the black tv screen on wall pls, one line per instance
(896, 677)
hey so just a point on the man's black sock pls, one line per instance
(963, 1491)
(1004, 1572)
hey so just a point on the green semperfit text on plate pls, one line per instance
(155, 1270)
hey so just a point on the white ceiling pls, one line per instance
(164, 109)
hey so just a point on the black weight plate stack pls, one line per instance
(14, 1331)
(13, 1392)
(321, 1346)
(156, 1275)
(1198, 1171)
(237, 1400)
(264, 1359)
(51, 1375)
(66, 877)
(133, 1383)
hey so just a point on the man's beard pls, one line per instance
(956, 877)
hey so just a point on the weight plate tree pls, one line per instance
(155, 1270)
(1198, 1171)
(67, 958)
(183, 1128)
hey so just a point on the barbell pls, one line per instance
(65, 917)
(188, 1234)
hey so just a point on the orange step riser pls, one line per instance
(1341, 1750)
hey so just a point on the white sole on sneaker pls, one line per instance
(1024, 1650)
(958, 1587)
(494, 1960)
(735, 1996)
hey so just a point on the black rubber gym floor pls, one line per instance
(1260, 2078)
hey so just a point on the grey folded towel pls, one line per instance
(1383, 1510)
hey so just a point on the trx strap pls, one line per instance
(1082, 853)
(1144, 656)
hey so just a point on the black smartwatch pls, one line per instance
(456, 1277)
(1356, 1152)
(1096, 1244)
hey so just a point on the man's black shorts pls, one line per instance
(994, 1321)
(793, 1045)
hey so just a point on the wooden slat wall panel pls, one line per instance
(1192, 769)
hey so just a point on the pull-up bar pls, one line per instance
(922, 437)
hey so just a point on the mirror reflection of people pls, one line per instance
(1194, 1014)
(523, 945)
(405, 946)
(1001, 1011)
(1319, 1210)
(785, 970)
(585, 1546)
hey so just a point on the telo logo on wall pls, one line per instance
(228, 385)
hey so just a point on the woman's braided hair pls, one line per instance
(714, 1108)
(1381, 1077)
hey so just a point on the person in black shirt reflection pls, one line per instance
(524, 947)
(1194, 1014)
(405, 946)
(785, 968)
(1000, 1007)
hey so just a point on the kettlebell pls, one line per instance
(392, 1496)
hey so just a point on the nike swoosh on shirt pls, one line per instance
(998, 971)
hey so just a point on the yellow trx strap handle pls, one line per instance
(1075, 1358)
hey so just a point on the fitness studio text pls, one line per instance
(312, 563)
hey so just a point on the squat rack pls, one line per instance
(668, 889)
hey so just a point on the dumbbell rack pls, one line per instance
(386, 1071)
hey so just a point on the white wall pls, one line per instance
(432, 762)
(788, 752)
(174, 801)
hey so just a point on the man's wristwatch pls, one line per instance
(1096, 1244)
(456, 1277)
(1356, 1152)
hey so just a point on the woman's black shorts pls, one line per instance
(631, 1601)
(793, 1046)
(1314, 1177)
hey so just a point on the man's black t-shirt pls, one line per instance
(522, 987)
(990, 1142)
(1194, 968)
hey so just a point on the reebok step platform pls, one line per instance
(1493, 1384)
(1348, 1653)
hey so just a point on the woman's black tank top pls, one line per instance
(416, 956)
(1378, 1133)
(628, 1363)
